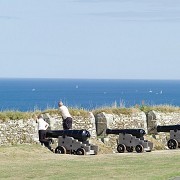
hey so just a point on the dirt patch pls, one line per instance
(103, 149)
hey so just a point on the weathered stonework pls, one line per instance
(25, 131)
(101, 123)
(18, 132)
(113, 121)
(158, 118)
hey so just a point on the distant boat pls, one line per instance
(77, 86)
(160, 92)
(150, 91)
(33, 89)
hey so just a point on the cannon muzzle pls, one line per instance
(80, 135)
(139, 133)
(168, 128)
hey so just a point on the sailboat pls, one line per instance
(150, 91)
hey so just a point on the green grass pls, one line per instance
(16, 115)
(137, 108)
(160, 108)
(36, 162)
(116, 110)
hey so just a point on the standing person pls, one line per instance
(42, 127)
(67, 119)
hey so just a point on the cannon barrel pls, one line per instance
(168, 128)
(80, 135)
(139, 133)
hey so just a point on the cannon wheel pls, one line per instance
(129, 148)
(60, 150)
(80, 151)
(121, 148)
(172, 144)
(139, 148)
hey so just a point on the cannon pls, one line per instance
(138, 133)
(174, 130)
(72, 142)
(168, 128)
(130, 139)
(80, 135)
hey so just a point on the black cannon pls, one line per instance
(80, 135)
(130, 139)
(72, 142)
(174, 131)
(138, 133)
(168, 128)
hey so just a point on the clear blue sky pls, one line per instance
(121, 39)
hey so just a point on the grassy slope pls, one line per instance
(15, 115)
(36, 162)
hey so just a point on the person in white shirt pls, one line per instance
(42, 124)
(42, 127)
(67, 119)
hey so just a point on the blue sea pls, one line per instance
(41, 94)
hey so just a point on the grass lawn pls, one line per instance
(36, 162)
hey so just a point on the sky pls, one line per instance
(94, 39)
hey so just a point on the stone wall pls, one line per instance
(148, 122)
(25, 131)
(18, 132)
(157, 118)
(113, 121)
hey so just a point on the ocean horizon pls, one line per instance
(29, 94)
